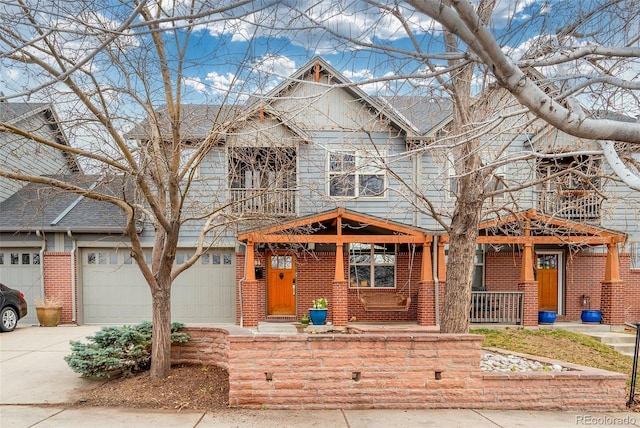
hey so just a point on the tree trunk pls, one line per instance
(462, 251)
(161, 338)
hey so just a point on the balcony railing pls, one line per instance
(504, 307)
(579, 205)
(278, 202)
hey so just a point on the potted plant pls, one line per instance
(49, 310)
(318, 313)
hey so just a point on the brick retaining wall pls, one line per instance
(356, 371)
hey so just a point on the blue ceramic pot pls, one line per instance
(318, 316)
(546, 317)
(591, 315)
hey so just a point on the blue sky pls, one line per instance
(276, 39)
(286, 42)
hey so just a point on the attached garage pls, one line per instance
(115, 292)
(20, 269)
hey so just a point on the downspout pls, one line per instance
(43, 247)
(436, 282)
(417, 165)
(73, 275)
(242, 280)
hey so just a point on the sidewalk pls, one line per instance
(37, 389)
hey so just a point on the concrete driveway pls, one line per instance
(32, 366)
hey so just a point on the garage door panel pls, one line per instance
(114, 290)
(20, 269)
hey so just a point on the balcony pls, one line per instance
(270, 202)
(577, 205)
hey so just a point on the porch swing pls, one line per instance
(396, 302)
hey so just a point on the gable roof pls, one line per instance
(318, 66)
(13, 113)
(535, 227)
(196, 119)
(42, 207)
(338, 226)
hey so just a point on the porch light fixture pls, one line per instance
(586, 300)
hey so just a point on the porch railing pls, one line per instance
(572, 205)
(504, 307)
(278, 202)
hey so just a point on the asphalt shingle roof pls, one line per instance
(42, 207)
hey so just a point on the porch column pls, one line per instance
(426, 289)
(442, 262)
(529, 286)
(612, 299)
(249, 288)
(340, 294)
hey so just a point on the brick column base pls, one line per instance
(612, 302)
(339, 304)
(426, 303)
(530, 302)
(249, 304)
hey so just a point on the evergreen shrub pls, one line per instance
(117, 350)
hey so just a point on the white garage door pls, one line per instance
(115, 292)
(20, 269)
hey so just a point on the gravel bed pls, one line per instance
(511, 363)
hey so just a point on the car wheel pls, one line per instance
(8, 319)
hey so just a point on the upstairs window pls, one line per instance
(356, 174)
(635, 255)
(262, 168)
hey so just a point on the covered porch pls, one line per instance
(370, 269)
(539, 246)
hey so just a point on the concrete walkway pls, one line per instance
(37, 389)
(617, 338)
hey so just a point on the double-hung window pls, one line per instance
(356, 174)
(372, 265)
(635, 255)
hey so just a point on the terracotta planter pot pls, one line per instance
(48, 316)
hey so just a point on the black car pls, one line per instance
(13, 307)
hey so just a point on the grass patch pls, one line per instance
(561, 345)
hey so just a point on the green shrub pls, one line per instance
(121, 350)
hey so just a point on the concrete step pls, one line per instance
(277, 328)
(615, 338)
(580, 327)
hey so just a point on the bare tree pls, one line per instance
(572, 65)
(118, 78)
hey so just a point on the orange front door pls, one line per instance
(547, 275)
(281, 284)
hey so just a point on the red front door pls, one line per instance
(281, 284)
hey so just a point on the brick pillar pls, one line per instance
(250, 315)
(338, 303)
(612, 302)
(57, 282)
(529, 302)
(426, 303)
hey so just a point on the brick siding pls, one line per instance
(57, 281)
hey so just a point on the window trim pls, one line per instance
(634, 250)
(360, 169)
(372, 265)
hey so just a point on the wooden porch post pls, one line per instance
(612, 298)
(528, 283)
(426, 288)
(442, 262)
(249, 263)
